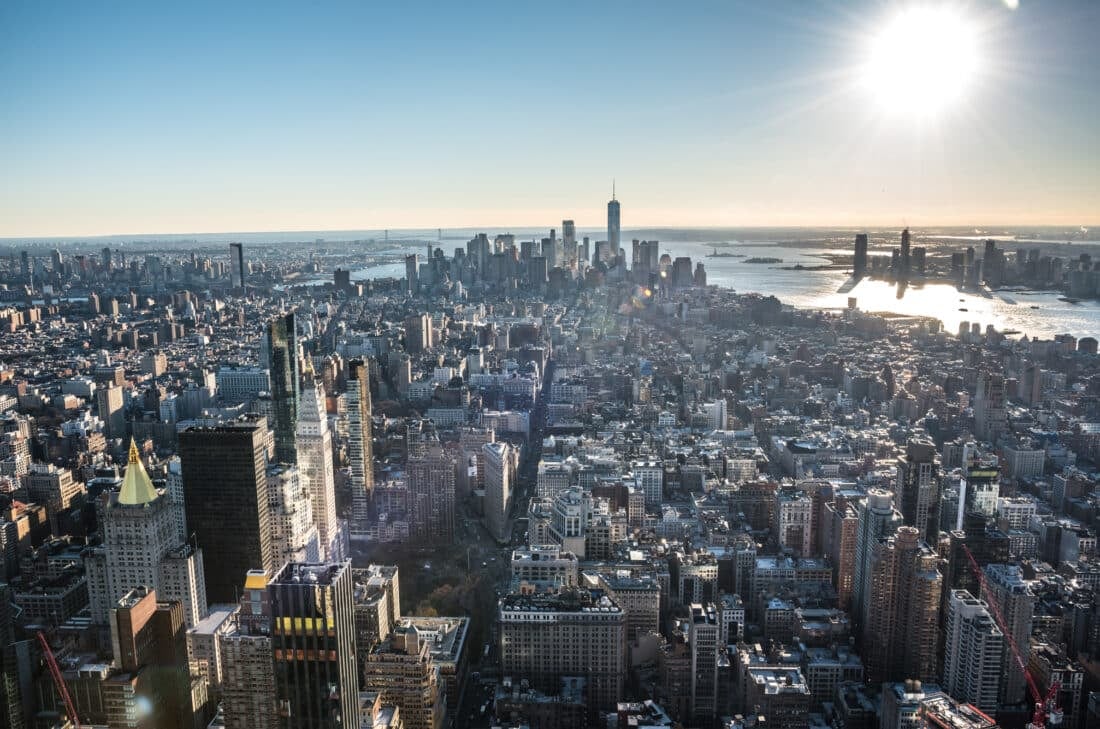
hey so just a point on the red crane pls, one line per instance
(1046, 707)
(59, 680)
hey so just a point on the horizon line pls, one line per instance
(504, 229)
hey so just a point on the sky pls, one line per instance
(138, 117)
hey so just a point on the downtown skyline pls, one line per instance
(729, 115)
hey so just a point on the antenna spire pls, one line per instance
(612, 188)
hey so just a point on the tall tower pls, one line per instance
(236, 262)
(315, 470)
(703, 636)
(568, 241)
(141, 548)
(360, 449)
(877, 519)
(900, 633)
(613, 229)
(412, 275)
(313, 642)
(918, 489)
(282, 342)
(859, 261)
(225, 497)
(974, 649)
(1016, 600)
(293, 533)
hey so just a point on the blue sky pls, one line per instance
(140, 117)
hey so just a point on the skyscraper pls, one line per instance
(293, 533)
(430, 482)
(1016, 601)
(402, 670)
(412, 274)
(974, 652)
(313, 642)
(613, 231)
(316, 472)
(703, 634)
(360, 448)
(568, 241)
(990, 416)
(499, 466)
(859, 261)
(236, 262)
(141, 549)
(918, 488)
(877, 519)
(225, 497)
(282, 342)
(900, 634)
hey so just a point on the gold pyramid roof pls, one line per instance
(137, 487)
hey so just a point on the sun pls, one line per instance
(922, 61)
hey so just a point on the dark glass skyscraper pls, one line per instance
(282, 342)
(224, 472)
(236, 261)
(313, 642)
(613, 232)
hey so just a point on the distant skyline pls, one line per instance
(146, 118)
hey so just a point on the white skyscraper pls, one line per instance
(141, 549)
(315, 470)
(974, 649)
(877, 518)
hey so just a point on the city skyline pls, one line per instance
(732, 115)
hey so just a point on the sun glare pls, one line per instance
(923, 60)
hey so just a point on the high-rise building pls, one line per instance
(793, 520)
(703, 634)
(859, 261)
(360, 447)
(402, 671)
(568, 241)
(613, 229)
(900, 635)
(575, 632)
(282, 342)
(152, 688)
(141, 549)
(974, 649)
(1016, 600)
(412, 274)
(990, 416)
(841, 523)
(110, 401)
(877, 519)
(236, 262)
(904, 260)
(313, 642)
(430, 481)
(225, 497)
(55, 488)
(248, 669)
(418, 333)
(499, 473)
(293, 533)
(316, 471)
(918, 489)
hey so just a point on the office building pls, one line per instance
(313, 644)
(544, 567)
(990, 415)
(110, 403)
(500, 462)
(236, 262)
(282, 342)
(703, 636)
(611, 250)
(918, 490)
(293, 532)
(141, 549)
(402, 672)
(576, 632)
(412, 274)
(360, 446)
(315, 470)
(248, 694)
(430, 482)
(225, 496)
(974, 649)
(859, 261)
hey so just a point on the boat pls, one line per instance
(964, 309)
(1034, 307)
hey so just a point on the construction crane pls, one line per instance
(59, 680)
(1047, 712)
